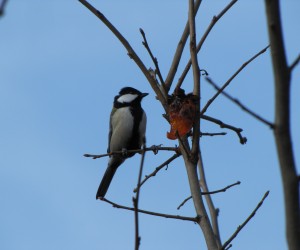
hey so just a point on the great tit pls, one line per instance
(127, 130)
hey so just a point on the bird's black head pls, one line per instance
(129, 96)
(129, 90)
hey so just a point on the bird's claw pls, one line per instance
(155, 148)
(124, 152)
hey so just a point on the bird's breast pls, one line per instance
(122, 126)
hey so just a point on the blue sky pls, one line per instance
(60, 69)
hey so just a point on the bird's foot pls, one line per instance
(124, 152)
(155, 148)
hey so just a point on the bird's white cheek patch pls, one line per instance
(127, 98)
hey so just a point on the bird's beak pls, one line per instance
(144, 94)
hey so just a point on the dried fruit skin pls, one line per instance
(182, 113)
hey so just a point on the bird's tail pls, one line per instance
(107, 178)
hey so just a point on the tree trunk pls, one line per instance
(282, 125)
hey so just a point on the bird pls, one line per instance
(127, 129)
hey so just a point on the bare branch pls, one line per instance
(204, 222)
(212, 210)
(210, 192)
(242, 106)
(282, 131)
(212, 134)
(153, 148)
(240, 227)
(230, 245)
(238, 131)
(169, 216)
(157, 170)
(223, 189)
(214, 20)
(131, 53)
(184, 145)
(196, 77)
(179, 50)
(294, 64)
(154, 59)
(135, 201)
(184, 201)
(231, 78)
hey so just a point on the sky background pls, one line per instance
(60, 68)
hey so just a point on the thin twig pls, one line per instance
(131, 53)
(153, 148)
(294, 64)
(169, 216)
(157, 170)
(214, 20)
(240, 227)
(154, 59)
(238, 131)
(242, 106)
(210, 192)
(184, 201)
(210, 101)
(230, 245)
(212, 134)
(135, 201)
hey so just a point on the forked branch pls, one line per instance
(214, 20)
(238, 131)
(131, 53)
(282, 130)
(294, 63)
(179, 49)
(210, 192)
